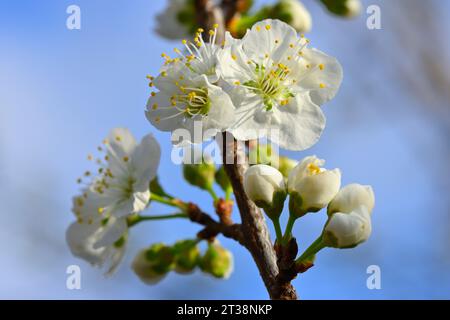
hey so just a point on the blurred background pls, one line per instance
(62, 90)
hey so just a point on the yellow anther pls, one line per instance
(291, 45)
(155, 106)
(150, 78)
(268, 27)
(184, 41)
(313, 168)
(164, 74)
(284, 102)
(152, 94)
(125, 159)
(322, 86)
(233, 56)
(100, 210)
(258, 28)
(266, 55)
(321, 66)
(308, 66)
(80, 220)
(157, 119)
(302, 35)
(215, 25)
(150, 84)
(277, 41)
(237, 83)
(211, 32)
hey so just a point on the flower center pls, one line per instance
(194, 101)
(271, 85)
(313, 169)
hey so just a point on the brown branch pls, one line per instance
(212, 227)
(257, 240)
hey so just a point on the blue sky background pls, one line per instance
(61, 91)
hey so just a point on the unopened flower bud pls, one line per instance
(351, 197)
(311, 187)
(265, 186)
(347, 230)
(353, 8)
(200, 175)
(152, 264)
(186, 256)
(294, 13)
(344, 8)
(286, 165)
(217, 261)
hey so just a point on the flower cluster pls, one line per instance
(119, 190)
(267, 81)
(151, 265)
(311, 188)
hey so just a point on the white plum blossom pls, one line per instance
(349, 221)
(261, 182)
(120, 189)
(187, 97)
(278, 84)
(312, 187)
(123, 181)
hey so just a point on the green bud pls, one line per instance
(152, 264)
(286, 165)
(222, 179)
(200, 175)
(344, 8)
(186, 255)
(217, 261)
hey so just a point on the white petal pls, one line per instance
(123, 208)
(301, 124)
(221, 113)
(145, 161)
(330, 76)
(351, 197)
(81, 239)
(111, 232)
(162, 114)
(262, 37)
(115, 258)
